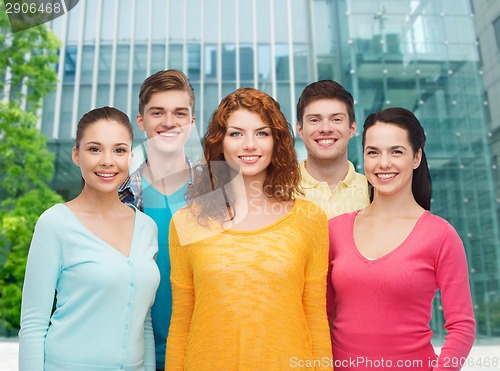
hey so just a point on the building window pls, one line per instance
(496, 27)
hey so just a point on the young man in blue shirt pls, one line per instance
(157, 187)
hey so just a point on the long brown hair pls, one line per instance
(421, 182)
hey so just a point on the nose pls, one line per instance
(249, 143)
(325, 127)
(385, 161)
(106, 159)
(168, 120)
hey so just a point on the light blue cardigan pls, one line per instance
(102, 318)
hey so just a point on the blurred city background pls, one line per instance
(438, 58)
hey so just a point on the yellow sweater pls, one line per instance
(251, 300)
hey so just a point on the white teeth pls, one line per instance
(386, 176)
(106, 175)
(249, 158)
(326, 141)
(169, 134)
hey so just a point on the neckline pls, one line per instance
(393, 251)
(174, 197)
(108, 245)
(146, 167)
(308, 181)
(266, 227)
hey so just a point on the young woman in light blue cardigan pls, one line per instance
(92, 259)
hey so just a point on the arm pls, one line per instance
(182, 302)
(149, 344)
(314, 296)
(453, 282)
(42, 272)
(330, 293)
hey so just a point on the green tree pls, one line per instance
(27, 74)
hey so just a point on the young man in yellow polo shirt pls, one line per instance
(326, 122)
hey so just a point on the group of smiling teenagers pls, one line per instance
(246, 258)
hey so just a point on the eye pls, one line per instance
(314, 120)
(181, 114)
(121, 150)
(397, 152)
(156, 113)
(263, 134)
(234, 134)
(94, 149)
(371, 152)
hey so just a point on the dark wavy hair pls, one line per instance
(406, 120)
(283, 175)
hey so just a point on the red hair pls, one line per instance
(283, 175)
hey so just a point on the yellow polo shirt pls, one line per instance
(348, 195)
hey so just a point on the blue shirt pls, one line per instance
(161, 208)
(102, 316)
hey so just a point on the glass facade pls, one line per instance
(418, 54)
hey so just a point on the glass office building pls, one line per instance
(419, 54)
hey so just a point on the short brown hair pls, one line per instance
(325, 89)
(163, 81)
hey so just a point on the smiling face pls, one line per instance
(167, 121)
(389, 159)
(104, 155)
(325, 130)
(248, 144)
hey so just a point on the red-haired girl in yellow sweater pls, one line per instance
(249, 261)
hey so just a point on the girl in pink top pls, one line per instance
(388, 260)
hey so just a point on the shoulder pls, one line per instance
(55, 214)
(342, 220)
(187, 217)
(131, 181)
(309, 210)
(132, 184)
(443, 240)
(186, 227)
(360, 178)
(434, 224)
(54, 224)
(138, 172)
(446, 232)
(306, 180)
(357, 178)
(435, 219)
(142, 218)
(184, 214)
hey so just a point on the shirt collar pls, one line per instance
(309, 182)
(134, 180)
(350, 178)
(133, 186)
